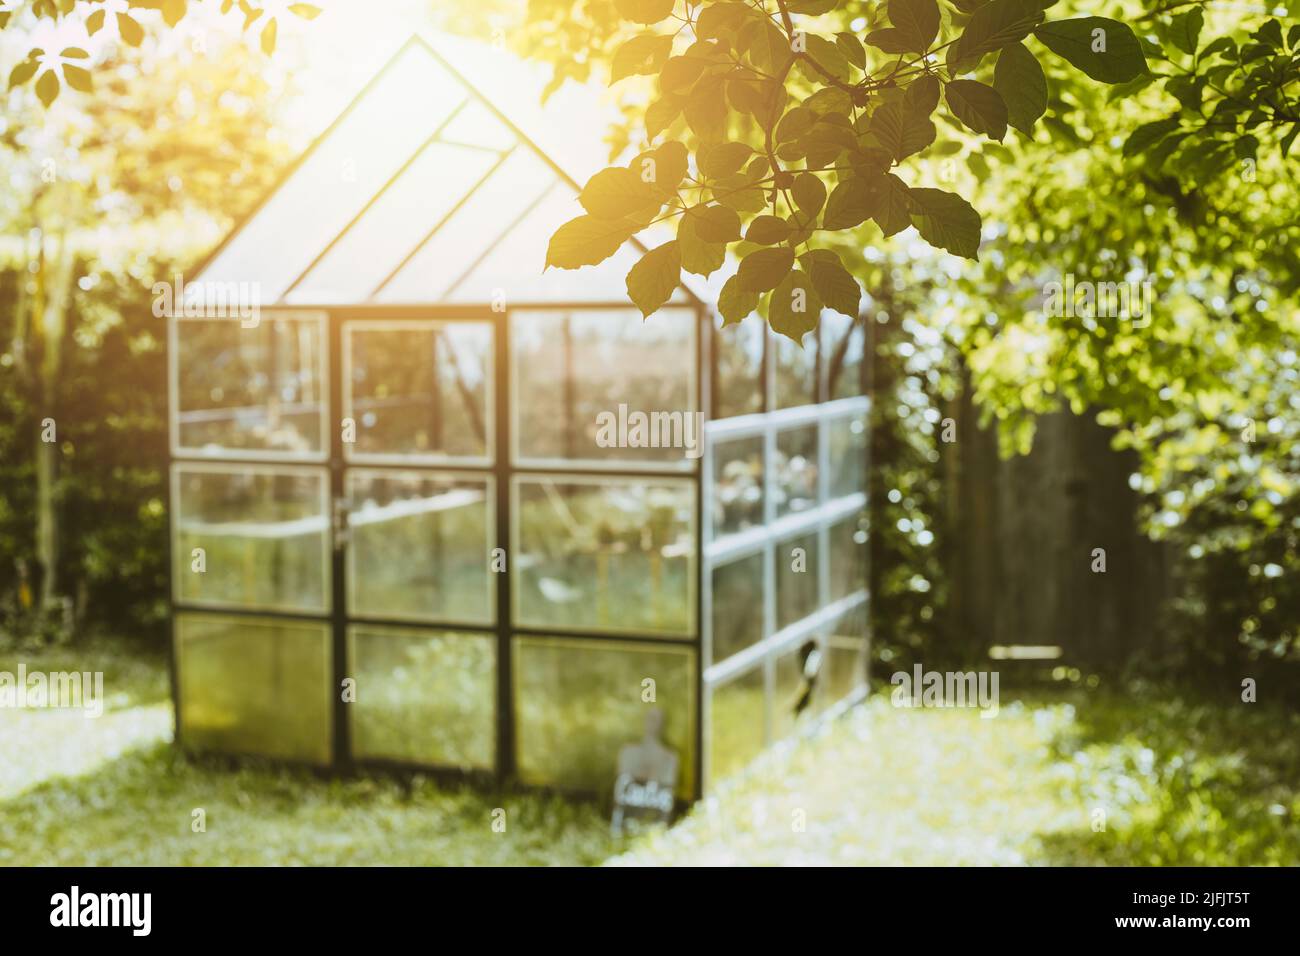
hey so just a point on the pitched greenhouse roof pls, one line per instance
(433, 186)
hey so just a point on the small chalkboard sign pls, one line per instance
(646, 781)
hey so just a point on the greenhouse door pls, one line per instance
(416, 522)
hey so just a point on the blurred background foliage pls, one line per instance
(173, 144)
(110, 193)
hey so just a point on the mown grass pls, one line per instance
(1179, 783)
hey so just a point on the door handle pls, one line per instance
(342, 527)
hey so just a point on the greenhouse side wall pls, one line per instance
(784, 563)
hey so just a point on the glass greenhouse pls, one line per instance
(396, 539)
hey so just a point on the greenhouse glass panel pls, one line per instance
(797, 568)
(399, 219)
(843, 342)
(608, 554)
(795, 486)
(737, 720)
(475, 126)
(737, 616)
(844, 669)
(738, 368)
(255, 686)
(847, 437)
(255, 537)
(418, 391)
(513, 269)
(795, 692)
(578, 703)
(454, 246)
(737, 485)
(339, 175)
(794, 371)
(259, 390)
(848, 555)
(424, 697)
(419, 546)
(597, 385)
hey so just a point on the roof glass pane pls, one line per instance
(514, 266)
(477, 126)
(340, 175)
(458, 244)
(390, 229)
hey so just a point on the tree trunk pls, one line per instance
(50, 311)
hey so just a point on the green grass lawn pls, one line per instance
(1179, 783)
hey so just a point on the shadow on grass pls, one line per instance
(1180, 781)
(141, 809)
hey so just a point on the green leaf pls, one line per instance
(23, 72)
(1270, 33)
(1018, 78)
(617, 192)
(173, 11)
(735, 302)
(917, 19)
(724, 159)
(716, 223)
(809, 194)
(1136, 85)
(640, 56)
(765, 269)
(768, 48)
(828, 56)
(768, 230)
(812, 8)
(661, 114)
(706, 110)
(835, 286)
(852, 49)
(644, 11)
(992, 27)
(131, 32)
(901, 131)
(849, 205)
(794, 307)
(1185, 30)
(888, 199)
(680, 73)
(978, 106)
(722, 19)
(922, 95)
(268, 37)
(662, 168)
(946, 221)
(586, 241)
(77, 77)
(1104, 49)
(699, 257)
(652, 281)
(47, 87)
(891, 40)
(1148, 134)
